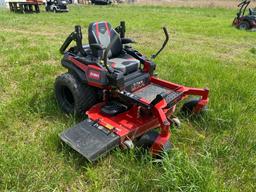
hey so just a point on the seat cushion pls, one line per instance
(125, 63)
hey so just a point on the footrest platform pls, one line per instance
(90, 139)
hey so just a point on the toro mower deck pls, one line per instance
(116, 87)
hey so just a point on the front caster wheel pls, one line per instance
(176, 122)
(147, 140)
(189, 106)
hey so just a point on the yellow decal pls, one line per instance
(109, 126)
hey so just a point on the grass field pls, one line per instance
(216, 153)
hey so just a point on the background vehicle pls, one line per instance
(243, 21)
(56, 5)
(25, 6)
(101, 2)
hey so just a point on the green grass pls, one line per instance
(216, 153)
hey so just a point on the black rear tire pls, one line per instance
(74, 97)
(244, 25)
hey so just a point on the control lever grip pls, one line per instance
(66, 43)
(164, 44)
(170, 98)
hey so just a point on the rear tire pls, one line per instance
(244, 25)
(74, 97)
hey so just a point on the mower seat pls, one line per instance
(125, 63)
(103, 34)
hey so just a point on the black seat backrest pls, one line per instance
(102, 33)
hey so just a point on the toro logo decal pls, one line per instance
(137, 85)
(94, 75)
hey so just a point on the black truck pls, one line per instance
(101, 2)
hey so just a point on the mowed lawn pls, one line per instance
(213, 153)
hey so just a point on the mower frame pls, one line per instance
(148, 109)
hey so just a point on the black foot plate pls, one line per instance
(90, 140)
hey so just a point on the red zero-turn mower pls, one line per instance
(115, 86)
(242, 21)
